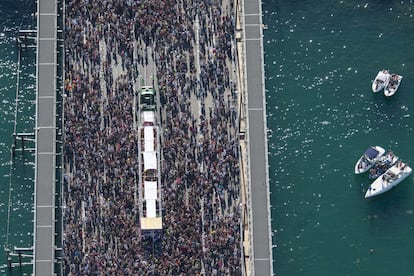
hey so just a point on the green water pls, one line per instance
(16, 177)
(321, 57)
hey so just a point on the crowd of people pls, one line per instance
(194, 54)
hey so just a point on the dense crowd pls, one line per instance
(200, 150)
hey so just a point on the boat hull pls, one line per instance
(381, 184)
(364, 164)
(392, 86)
(380, 81)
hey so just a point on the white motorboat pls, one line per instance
(392, 177)
(382, 165)
(380, 81)
(368, 159)
(393, 84)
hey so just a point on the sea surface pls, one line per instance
(320, 60)
(16, 173)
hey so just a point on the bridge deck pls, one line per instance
(44, 233)
(260, 229)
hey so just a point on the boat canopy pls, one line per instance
(150, 190)
(371, 153)
(150, 160)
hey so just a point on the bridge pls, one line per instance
(48, 137)
(257, 190)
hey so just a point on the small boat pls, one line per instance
(392, 177)
(393, 84)
(382, 165)
(380, 81)
(368, 159)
